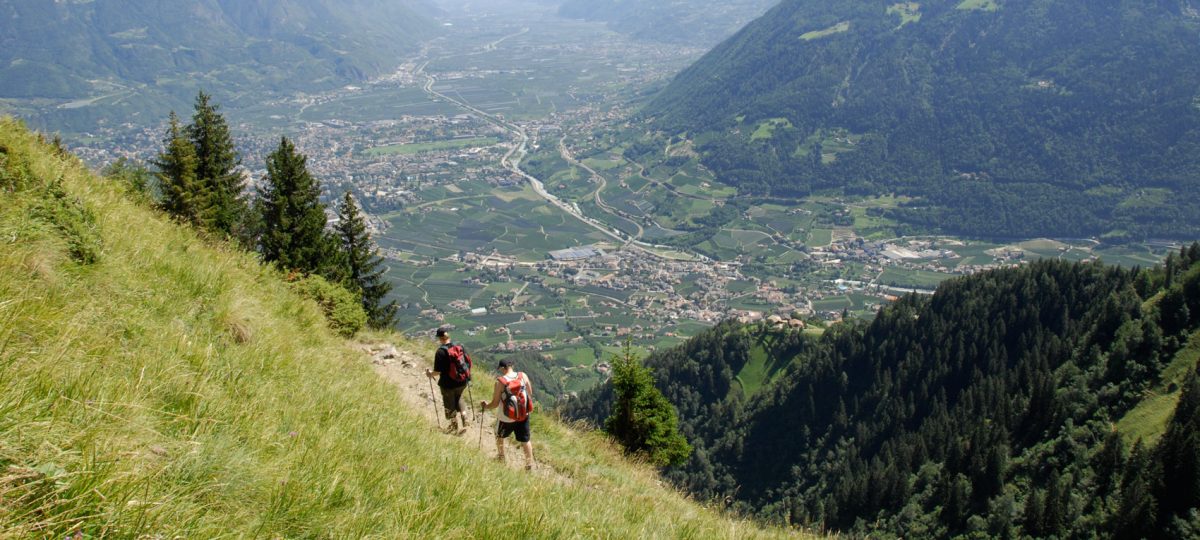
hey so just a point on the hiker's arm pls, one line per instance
(495, 398)
(528, 386)
(437, 364)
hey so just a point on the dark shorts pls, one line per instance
(452, 400)
(504, 429)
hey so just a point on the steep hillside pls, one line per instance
(700, 23)
(157, 53)
(156, 385)
(1003, 406)
(1046, 117)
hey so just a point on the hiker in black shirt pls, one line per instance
(452, 390)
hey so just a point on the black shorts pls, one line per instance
(452, 401)
(504, 429)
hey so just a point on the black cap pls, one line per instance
(506, 363)
(441, 332)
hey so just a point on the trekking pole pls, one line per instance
(434, 400)
(480, 426)
(471, 396)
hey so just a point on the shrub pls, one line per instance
(13, 172)
(343, 310)
(74, 221)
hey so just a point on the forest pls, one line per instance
(1051, 400)
(1043, 118)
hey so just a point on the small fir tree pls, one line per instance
(363, 266)
(133, 176)
(183, 195)
(291, 215)
(642, 419)
(216, 168)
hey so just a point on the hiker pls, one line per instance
(514, 395)
(452, 367)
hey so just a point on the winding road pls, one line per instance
(596, 195)
(512, 161)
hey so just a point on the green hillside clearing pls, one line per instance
(835, 29)
(1148, 421)
(981, 5)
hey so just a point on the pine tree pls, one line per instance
(292, 216)
(363, 265)
(1179, 454)
(183, 195)
(1056, 513)
(1109, 462)
(216, 168)
(642, 419)
(1137, 512)
(133, 176)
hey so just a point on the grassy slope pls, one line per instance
(1148, 420)
(129, 406)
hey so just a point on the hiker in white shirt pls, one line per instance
(513, 394)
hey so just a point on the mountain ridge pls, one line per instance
(1006, 119)
(161, 52)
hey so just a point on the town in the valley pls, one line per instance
(506, 213)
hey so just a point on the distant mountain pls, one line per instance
(1055, 400)
(66, 50)
(693, 22)
(1010, 118)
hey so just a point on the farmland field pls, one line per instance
(917, 279)
(416, 148)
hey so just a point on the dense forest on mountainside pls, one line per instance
(1053, 400)
(691, 22)
(1043, 117)
(162, 50)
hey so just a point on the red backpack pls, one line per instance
(517, 403)
(460, 363)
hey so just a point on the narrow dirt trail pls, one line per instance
(406, 371)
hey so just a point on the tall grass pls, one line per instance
(171, 387)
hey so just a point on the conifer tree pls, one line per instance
(133, 176)
(1109, 462)
(363, 265)
(216, 168)
(1179, 454)
(642, 419)
(292, 216)
(183, 196)
(1137, 512)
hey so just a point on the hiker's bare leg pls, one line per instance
(499, 449)
(528, 449)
